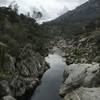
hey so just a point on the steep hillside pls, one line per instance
(18, 30)
(22, 51)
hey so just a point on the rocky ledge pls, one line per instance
(21, 74)
(81, 82)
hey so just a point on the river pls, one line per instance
(52, 79)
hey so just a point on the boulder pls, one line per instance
(84, 94)
(77, 75)
(8, 98)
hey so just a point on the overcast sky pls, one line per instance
(50, 8)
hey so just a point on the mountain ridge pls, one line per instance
(74, 21)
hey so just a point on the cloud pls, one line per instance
(3, 1)
(50, 8)
(82, 1)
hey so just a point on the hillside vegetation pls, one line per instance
(18, 30)
(23, 47)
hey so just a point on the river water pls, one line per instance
(52, 79)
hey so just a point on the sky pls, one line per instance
(50, 9)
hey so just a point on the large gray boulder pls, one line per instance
(77, 75)
(84, 94)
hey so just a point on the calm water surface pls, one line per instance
(52, 79)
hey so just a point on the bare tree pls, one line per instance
(36, 14)
(14, 6)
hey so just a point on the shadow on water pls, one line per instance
(52, 79)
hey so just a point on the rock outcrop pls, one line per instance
(21, 74)
(84, 48)
(81, 81)
(8, 98)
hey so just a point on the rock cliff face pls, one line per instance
(21, 74)
(23, 46)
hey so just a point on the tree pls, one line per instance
(36, 14)
(14, 6)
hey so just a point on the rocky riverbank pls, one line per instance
(22, 74)
(82, 75)
(83, 48)
(81, 82)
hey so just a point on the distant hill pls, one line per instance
(77, 20)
